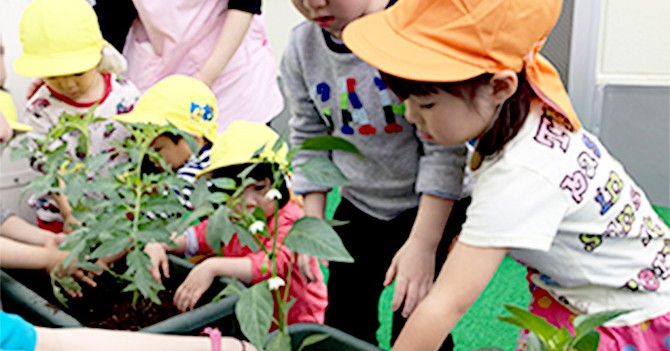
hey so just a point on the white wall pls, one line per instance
(635, 42)
(280, 17)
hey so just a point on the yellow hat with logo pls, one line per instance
(239, 144)
(185, 102)
(8, 110)
(59, 38)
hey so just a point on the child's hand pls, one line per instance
(56, 256)
(33, 86)
(413, 267)
(197, 282)
(69, 223)
(159, 261)
(305, 266)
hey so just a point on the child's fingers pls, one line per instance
(390, 274)
(306, 268)
(399, 293)
(411, 299)
(84, 278)
(165, 267)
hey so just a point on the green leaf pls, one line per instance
(224, 183)
(280, 342)
(182, 223)
(96, 162)
(230, 290)
(585, 323)
(311, 340)
(219, 229)
(535, 344)
(254, 312)
(200, 193)
(322, 171)
(587, 342)
(527, 320)
(246, 238)
(218, 198)
(75, 188)
(329, 142)
(313, 236)
(336, 223)
(560, 340)
(111, 247)
(89, 266)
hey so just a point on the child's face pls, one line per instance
(333, 15)
(448, 119)
(74, 86)
(174, 155)
(254, 196)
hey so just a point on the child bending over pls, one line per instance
(233, 152)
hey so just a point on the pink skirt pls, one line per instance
(650, 335)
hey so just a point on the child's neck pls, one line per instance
(95, 93)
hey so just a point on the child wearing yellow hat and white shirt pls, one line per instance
(232, 152)
(546, 191)
(62, 44)
(189, 105)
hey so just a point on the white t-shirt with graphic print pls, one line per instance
(565, 207)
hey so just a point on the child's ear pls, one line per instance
(199, 139)
(503, 85)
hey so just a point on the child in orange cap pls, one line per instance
(403, 189)
(546, 191)
(62, 44)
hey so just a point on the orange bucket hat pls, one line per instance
(455, 40)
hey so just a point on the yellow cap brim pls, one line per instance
(375, 41)
(44, 67)
(19, 127)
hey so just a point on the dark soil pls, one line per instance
(106, 306)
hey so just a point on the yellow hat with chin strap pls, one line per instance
(239, 143)
(185, 102)
(59, 38)
(8, 110)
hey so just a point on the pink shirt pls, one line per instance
(311, 298)
(177, 37)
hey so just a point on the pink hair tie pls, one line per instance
(215, 337)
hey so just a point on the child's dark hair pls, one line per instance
(512, 114)
(259, 172)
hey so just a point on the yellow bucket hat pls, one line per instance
(240, 141)
(185, 102)
(454, 40)
(59, 38)
(9, 111)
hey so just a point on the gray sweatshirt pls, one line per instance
(331, 91)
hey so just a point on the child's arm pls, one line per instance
(413, 266)
(201, 276)
(14, 254)
(232, 33)
(16, 228)
(462, 279)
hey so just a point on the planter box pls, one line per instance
(28, 293)
(337, 340)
